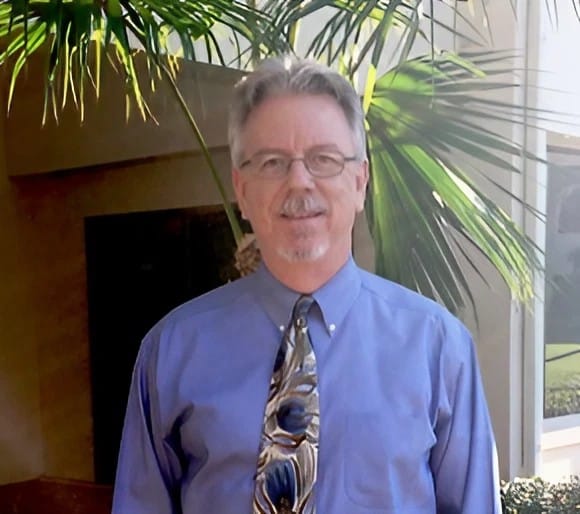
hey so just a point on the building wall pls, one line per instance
(46, 426)
(497, 329)
(20, 424)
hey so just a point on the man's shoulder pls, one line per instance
(398, 296)
(210, 304)
(416, 309)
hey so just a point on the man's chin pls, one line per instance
(304, 254)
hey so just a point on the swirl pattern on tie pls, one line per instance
(287, 464)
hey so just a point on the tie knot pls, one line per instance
(301, 308)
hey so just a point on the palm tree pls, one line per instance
(422, 204)
(78, 35)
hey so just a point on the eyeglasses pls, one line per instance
(320, 163)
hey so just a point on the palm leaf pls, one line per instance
(421, 202)
(72, 29)
(345, 20)
(338, 39)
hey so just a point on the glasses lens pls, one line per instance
(319, 163)
(324, 164)
(272, 166)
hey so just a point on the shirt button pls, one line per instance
(281, 328)
(332, 327)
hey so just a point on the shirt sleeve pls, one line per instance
(464, 459)
(147, 480)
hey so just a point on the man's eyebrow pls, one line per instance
(267, 151)
(328, 146)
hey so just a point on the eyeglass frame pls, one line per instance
(291, 159)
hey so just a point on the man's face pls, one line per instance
(298, 217)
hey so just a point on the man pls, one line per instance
(372, 402)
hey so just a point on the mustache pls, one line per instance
(302, 205)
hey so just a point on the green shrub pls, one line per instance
(536, 496)
(562, 401)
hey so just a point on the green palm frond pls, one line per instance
(80, 32)
(423, 206)
(354, 28)
(357, 31)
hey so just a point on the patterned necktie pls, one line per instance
(289, 447)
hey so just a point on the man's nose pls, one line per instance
(298, 174)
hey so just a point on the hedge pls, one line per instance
(536, 496)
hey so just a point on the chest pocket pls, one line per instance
(386, 469)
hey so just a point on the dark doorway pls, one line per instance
(140, 266)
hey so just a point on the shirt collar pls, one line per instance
(334, 298)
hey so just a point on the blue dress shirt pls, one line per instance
(404, 426)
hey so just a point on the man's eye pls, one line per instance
(324, 159)
(273, 163)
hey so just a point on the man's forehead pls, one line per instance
(289, 101)
(308, 113)
(268, 150)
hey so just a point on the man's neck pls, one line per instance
(305, 276)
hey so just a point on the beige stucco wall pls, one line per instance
(495, 329)
(46, 425)
(20, 426)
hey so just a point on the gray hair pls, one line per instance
(277, 76)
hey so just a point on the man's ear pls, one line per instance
(239, 189)
(362, 180)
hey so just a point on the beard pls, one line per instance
(302, 249)
(303, 254)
